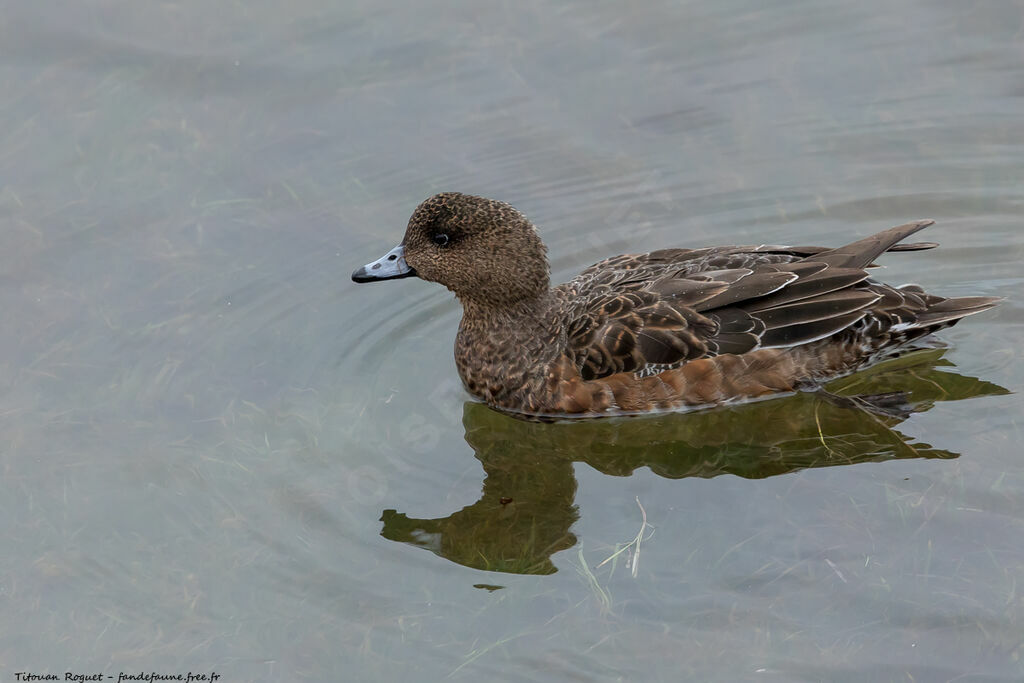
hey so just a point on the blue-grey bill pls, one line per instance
(390, 266)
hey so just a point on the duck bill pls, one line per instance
(390, 266)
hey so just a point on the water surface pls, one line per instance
(220, 454)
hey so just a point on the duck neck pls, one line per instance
(499, 349)
(508, 317)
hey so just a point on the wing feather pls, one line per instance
(644, 313)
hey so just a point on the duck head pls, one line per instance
(483, 250)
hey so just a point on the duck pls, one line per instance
(666, 330)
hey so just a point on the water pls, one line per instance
(219, 454)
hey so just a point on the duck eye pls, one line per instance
(440, 239)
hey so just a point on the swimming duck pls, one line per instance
(659, 331)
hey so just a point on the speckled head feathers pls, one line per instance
(482, 249)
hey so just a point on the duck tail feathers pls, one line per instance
(861, 253)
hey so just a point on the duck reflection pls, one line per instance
(527, 506)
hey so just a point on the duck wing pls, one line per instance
(650, 312)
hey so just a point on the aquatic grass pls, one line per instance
(601, 594)
(633, 546)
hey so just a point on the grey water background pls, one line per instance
(203, 421)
